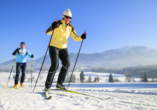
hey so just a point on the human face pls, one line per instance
(67, 19)
(22, 46)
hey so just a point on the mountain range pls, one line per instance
(127, 56)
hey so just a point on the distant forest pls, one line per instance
(137, 71)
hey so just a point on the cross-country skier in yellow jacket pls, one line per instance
(58, 48)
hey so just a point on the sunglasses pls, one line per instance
(68, 17)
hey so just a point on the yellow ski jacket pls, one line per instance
(61, 35)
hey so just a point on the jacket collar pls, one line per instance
(22, 49)
(63, 22)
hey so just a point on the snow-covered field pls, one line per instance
(124, 96)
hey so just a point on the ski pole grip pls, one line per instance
(56, 22)
(84, 33)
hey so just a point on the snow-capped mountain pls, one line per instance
(130, 51)
(120, 57)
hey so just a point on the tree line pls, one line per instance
(150, 71)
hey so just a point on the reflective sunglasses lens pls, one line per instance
(68, 17)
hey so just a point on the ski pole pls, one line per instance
(75, 62)
(11, 69)
(31, 70)
(44, 58)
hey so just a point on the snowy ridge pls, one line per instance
(124, 49)
(120, 57)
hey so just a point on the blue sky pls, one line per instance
(109, 24)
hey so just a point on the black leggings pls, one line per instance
(20, 66)
(55, 55)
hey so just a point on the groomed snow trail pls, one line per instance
(24, 99)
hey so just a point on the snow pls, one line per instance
(124, 49)
(106, 57)
(145, 50)
(152, 54)
(124, 96)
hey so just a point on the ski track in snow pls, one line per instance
(24, 99)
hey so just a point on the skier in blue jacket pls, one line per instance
(21, 63)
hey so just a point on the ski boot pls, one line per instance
(15, 86)
(21, 84)
(60, 86)
(47, 89)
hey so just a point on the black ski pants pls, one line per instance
(55, 55)
(20, 66)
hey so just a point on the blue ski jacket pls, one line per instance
(21, 55)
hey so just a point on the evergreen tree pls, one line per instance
(128, 77)
(97, 78)
(89, 79)
(145, 78)
(82, 77)
(73, 79)
(110, 78)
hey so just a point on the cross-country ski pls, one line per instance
(75, 92)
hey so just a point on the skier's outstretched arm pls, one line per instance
(75, 36)
(29, 54)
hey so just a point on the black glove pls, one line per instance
(17, 50)
(83, 36)
(54, 25)
(32, 56)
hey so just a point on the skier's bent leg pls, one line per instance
(50, 78)
(63, 73)
(53, 52)
(64, 56)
